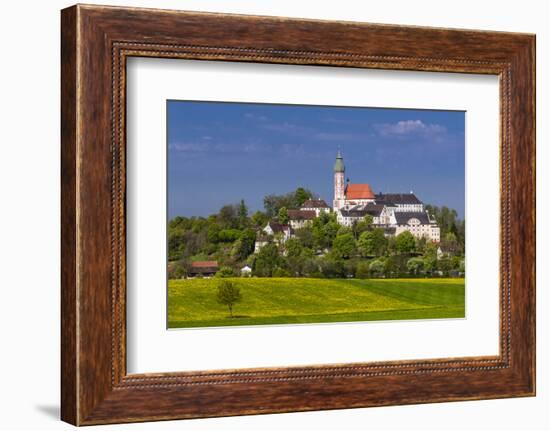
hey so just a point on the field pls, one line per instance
(192, 303)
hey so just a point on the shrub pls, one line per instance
(281, 272)
(225, 271)
(362, 270)
(377, 267)
(228, 235)
(332, 268)
(415, 265)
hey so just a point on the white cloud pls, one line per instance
(409, 127)
(189, 147)
(208, 146)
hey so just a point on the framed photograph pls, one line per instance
(240, 254)
(263, 214)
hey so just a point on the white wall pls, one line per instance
(29, 216)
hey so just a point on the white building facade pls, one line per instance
(394, 212)
(316, 205)
(273, 232)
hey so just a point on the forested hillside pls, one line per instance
(322, 249)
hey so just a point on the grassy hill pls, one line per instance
(192, 303)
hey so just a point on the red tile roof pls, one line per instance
(204, 264)
(359, 191)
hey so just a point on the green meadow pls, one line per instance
(192, 302)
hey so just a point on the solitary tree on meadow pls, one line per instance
(228, 294)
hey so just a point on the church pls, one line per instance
(394, 212)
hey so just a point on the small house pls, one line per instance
(203, 268)
(300, 218)
(317, 205)
(246, 271)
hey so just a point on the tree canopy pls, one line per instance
(405, 242)
(292, 200)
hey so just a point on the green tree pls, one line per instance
(194, 243)
(421, 244)
(228, 235)
(376, 267)
(362, 226)
(198, 224)
(273, 203)
(179, 222)
(293, 248)
(448, 222)
(392, 245)
(430, 250)
(415, 265)
(244, 246)
(281, 272)
(248, 236)
(228, 294)
(362, 270)
(243, 214)
(225, 271)
(343, 230)
(228, 216)
(294, 258)
(310, 267)
(213, 232)
(391, 266)
(450, 243)
(259, 219)
(177, 270)
(372, 243)
(350, 267)
(331, 267)
(176, 242)
(305, 236)
(405, 242)
(430, 263)
(365, 244)
(283, 215)
(296, 265)
(267, 260)
(343, 246)
(329, 232)
(301, 195)
(458, 263)
(324, 230)
(461, 235)
(445, 264)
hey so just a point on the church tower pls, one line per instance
(339, 183)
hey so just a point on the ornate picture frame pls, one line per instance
(96, 41)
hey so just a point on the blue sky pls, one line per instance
(220, 153)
